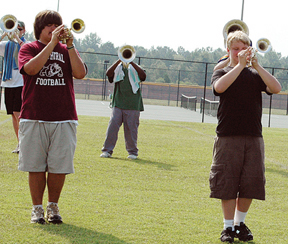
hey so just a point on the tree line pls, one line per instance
(166, 65)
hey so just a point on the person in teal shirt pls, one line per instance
(127, 104)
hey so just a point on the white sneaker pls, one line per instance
(131, 156)
(37, 216)
(16, 150)
(105, 155)
(53, 215)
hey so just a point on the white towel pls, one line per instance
(132, 74)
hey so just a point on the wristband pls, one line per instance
(71, 47)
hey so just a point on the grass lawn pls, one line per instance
(162, 197)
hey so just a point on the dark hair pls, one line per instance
(45, 18)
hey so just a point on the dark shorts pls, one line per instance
(13, 99)
(238, 168)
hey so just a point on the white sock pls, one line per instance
(52, 203)
(35, 206)
(228, 223)
(239, 217)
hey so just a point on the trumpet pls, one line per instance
(263, 45)
(9, 24)
(77, 26)
(234, 25)
(126, 53)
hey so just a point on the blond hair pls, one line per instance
(237, 36)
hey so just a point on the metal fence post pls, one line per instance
(270, 105)
(204, 95)
(178, 87)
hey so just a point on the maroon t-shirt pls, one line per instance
(48, 95)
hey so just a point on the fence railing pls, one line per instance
(169, 90)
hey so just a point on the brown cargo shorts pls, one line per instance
(238, 168)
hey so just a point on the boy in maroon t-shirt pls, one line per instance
(48, 118)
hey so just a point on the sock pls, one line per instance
(228, 223)
(53, 203)
(35, 206)
(239, 217)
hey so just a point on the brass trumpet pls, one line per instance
(9, 24)
(77, 26)
(126, 53)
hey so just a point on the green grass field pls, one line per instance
(162, 197)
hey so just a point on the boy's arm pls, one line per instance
(110, 70)
(140, 71)
(273, 85)
(35, 64)
(223, 83)
(222, 64)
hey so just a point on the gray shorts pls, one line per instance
(238, 168)
(47, 147)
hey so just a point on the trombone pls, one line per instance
(77, 26)
(126, 54)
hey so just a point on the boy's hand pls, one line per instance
(243, 57)
(56, 34)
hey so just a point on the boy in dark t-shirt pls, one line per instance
(237, 172)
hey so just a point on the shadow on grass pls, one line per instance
(76, 234)
(148, 162)
(249, 242)
(282, 172)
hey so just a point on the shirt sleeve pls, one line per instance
(25, 54)
(215, 76)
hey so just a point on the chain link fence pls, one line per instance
(168, 82)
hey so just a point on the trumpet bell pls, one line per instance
(78, 25)
(234, 25)
(126, 53)
(8, 23)
(263, 45)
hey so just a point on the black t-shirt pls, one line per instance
(240, 106)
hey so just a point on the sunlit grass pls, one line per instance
(162, 197)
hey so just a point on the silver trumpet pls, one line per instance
(9, 24)
(263, 45)
(126, 54)
(77, 26)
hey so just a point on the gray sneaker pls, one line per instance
(52, 215)
(37, 216)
